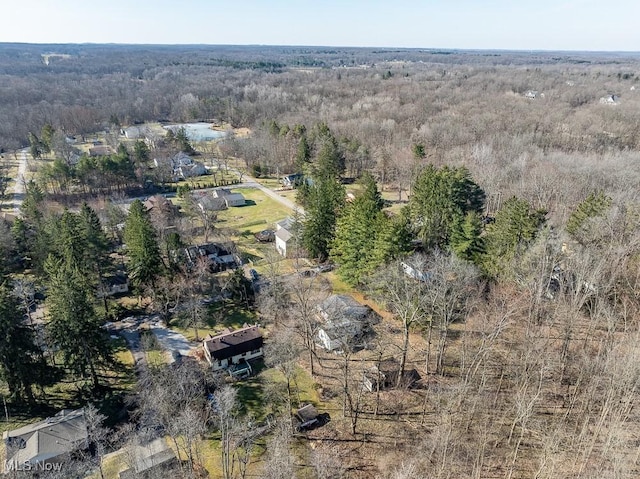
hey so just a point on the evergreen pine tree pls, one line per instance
(145, 262)
(303, 154)
(593, 206)
(21, 363)
(326, 197)
(441, 198)
(393, 239)
(466, 240)
(323, 197)
(73, 326)
(515, 226)
(356, 233)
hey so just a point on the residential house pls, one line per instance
(158, 204)
(291, 181)
(233, 349)
(114, 285)
(287, 237)
(149, 458)
(531, 94)
(209, 203)
(182, 166)
(231, 199)
(220, 256)
(46, 442)
(344, 323)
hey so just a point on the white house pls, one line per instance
(291, 181)
(113, 285)
(284, 236)
(231, 349)
(345, 322)
(133, 133)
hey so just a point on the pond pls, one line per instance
(197, 131)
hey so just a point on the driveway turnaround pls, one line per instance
(171, 341)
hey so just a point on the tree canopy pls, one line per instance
(145, 262)
(441, 198)
(362, 241)
(21, 362)
(515, 226)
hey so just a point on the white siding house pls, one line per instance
(231, 348)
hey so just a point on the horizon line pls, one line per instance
(267, 45)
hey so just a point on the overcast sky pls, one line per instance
(478, 24)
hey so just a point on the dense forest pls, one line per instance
(483, 203)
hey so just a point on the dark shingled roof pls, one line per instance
(232, 343)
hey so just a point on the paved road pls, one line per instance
(19, 188)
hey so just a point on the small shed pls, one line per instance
(385, 375)
(307, 415)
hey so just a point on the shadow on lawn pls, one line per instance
(229, 314)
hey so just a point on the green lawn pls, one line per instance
(226, 314)
(260, 213)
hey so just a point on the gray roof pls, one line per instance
(286, 224)
(149, 455)
(283, 234)
(339, 306)
(212, 204)
(221, 192)
(232, 197)
(307, 413)
(44, 440)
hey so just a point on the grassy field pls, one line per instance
(260, 213)
(226, 314)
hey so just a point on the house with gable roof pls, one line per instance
(46, 442)
(344, 323)
(232, 350)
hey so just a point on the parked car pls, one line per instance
(266, 236)
(323, 268)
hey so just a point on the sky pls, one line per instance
(464, 24)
